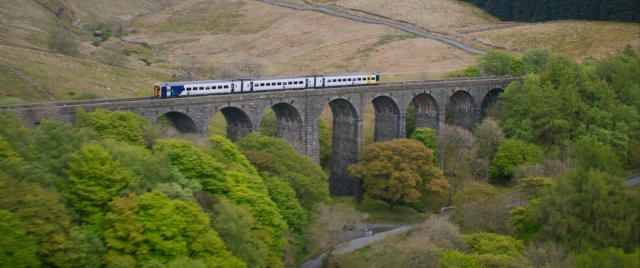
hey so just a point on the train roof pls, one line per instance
(261, 78)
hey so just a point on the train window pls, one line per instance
(359, 79)
(290, 83)
(262, 84)
(373, 78)
(226, 86)
(207, 88)
(201, 88)
(334, 80)
(256, 85)
(188, 89)
(279, 83)
(300, 83)
(349, 79)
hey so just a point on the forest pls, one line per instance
(538, 183)
(548, 10)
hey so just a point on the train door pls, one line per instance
(251, 86)
(232, 87)
(323, 85)
(306, 82)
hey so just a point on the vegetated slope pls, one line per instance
(462, 21)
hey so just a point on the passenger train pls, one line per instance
(195, 88)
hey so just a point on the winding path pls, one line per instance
(367, 20)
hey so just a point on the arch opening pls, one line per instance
(459, 110)
(422, 112)
(283, 121)
(387, 119)
(490, 106)
(238, 123)
(181, 122)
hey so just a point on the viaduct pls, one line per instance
(297, 114)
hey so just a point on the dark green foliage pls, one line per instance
(269, 124)
(591, 154)
(17, 249)
(587, 209)
(610, 257)
(410, 119)
(546, 10)
(15, 132)
(52, 145)
(536, 60)
(120, 126)
(45, 219)
(285, 197)
(275, 157)
(471, 71)
(324, 136)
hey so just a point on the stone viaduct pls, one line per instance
(297, 114)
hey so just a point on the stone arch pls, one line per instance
(426, 111)
(290, 125)
(181, 122)
(346, 141)
(490, 99)
(461, 109)
(238, 123)
(388, 125)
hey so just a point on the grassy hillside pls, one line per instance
(162, 38)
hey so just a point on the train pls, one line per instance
(246, 85)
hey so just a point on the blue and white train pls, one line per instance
(207, 87)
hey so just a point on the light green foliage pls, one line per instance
(324, 136)
(233, 223)
(588, 209)
(119, 125)
(511, 153)
(494, 244)
(268, 217)
(475, 192)
(471, 71)
(457, 259)
(231, 152)
(397, 171)
(533, 187)
(6, 153)
(292, 212)
(269, 124)
(522, 222)
(495, 63)
(516, 67)
(194, 164)
(52, 145)
(15, 132)
(427, 136)
(154, 229)
(94, 178)
(610, 257)
(17, 249)
(275, 157)
(536, 60)
(489, 136)
(45, 219)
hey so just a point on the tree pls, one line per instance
(479, 208)
(588, 209)
(396, 171)
(112, 54)
(330, 222)
(274, 157)
(489, 136)
(15, 133)
(119, 125)
(536, 60)
(457, 259)
(510, 154)
(45, 219)
(63, 42)
(17, 249)
(94, 179)
(494, 244)
(52, 145)
(495, 63)
(427, 136)
(610, 257)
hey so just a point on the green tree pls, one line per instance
(45, 219)
(277, 158)
(269, 124)
(233, 223)
(536, 60)
(94, 179)
(588, 209)
(427, 136)
(494, 244)
(121, 126)
(457, 259)
(396, 171)
(52, 145)
(17, 249)
(510, 154)
(609, 257)
(533, 187)
(15, 133)
(495, 63)
(194, 164)
(324, 137)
